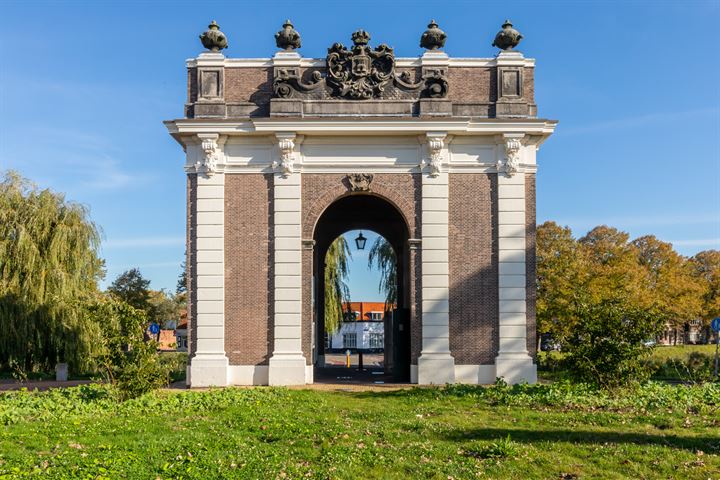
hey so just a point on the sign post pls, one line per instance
(715, 325)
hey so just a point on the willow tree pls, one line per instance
(337, 292)
(49, 267)
(382, 256)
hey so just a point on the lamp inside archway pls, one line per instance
(360, 242)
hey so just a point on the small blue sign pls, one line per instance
(154, 328)
(715, 325)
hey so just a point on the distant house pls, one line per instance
(181, 333)
(691, 332)
(362, 330)
(166, 340)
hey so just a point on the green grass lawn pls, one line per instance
(455, 433)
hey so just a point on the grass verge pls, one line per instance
(458, 432)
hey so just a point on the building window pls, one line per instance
(328, 341)
(349, 340)
(376, 316)
(377, 340)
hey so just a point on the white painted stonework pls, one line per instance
(209, 367)
(287, 148)
(435, 365)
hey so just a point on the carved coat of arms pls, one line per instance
(361, 72)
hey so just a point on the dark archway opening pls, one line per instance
(364, 212)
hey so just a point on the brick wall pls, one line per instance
(248, 269)
(473, 254)
(321, 190)
(249, 85)
(467, 85)
(531, 288)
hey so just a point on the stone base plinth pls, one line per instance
(515, 368)
(208, 371)
(287, 370)
(436, 369)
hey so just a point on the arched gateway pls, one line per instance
(437, 154)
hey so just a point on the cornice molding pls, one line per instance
(182, 128)
(400, 62)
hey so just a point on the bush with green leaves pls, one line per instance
(127, 359)
(606, 346)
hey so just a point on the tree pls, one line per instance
(132, 288)
(181, 286)
(676, 293)
(49, 268)
(164, 307)
(706, 268)
(561, 277)
(337, 292)
(382, 256)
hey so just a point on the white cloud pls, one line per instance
(644, 221)
(140, 242)
(636, 121)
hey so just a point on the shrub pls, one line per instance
(127, 360)
(606, 346)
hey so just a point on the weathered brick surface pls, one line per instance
(192, 88)
(249, 85)
(529, 84)
(531, 291)
(473, 253)
(467, 84)
(190, 262)
(402, 190)
(248, 269)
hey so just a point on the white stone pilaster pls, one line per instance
(287, 364)
(513, 362)
(209, 366)
(435, 365)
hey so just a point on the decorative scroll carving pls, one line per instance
(361, 72)
(435, 148)
(360, 182)
(288, 38)
(287, 82)
(511, 165)
(436, 84)
(287, 155)
(207, 163)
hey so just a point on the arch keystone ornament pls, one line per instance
(360, 182)
(436, 154)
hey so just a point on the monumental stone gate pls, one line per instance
(436, 154)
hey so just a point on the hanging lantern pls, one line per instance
(360, 242)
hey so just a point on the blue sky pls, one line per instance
(85, 86)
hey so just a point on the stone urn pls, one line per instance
(213, 39)
(433, 38)
(287, 38)
(507, 38)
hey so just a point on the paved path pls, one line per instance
(10, 384)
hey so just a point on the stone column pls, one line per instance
(435, 364)
(209, 366)
(513, 362)
(287, 364)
